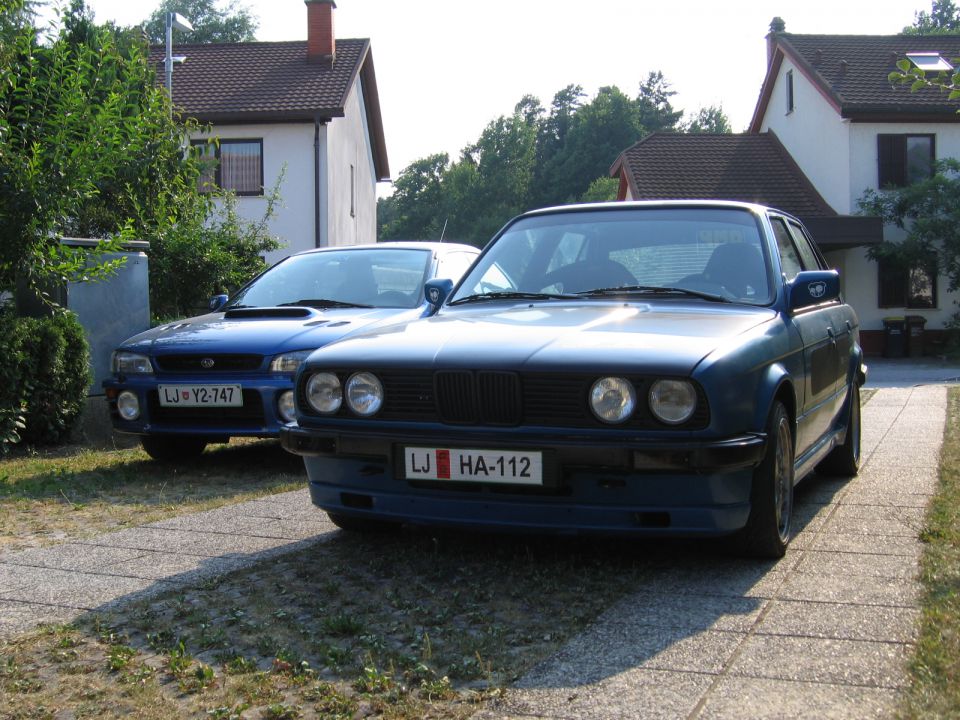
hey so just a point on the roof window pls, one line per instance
(929, 61)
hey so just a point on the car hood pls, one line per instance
(264, 331)
(669, 337)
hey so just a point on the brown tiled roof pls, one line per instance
(851, 71)
(221, 80)
(272, 82)
(749, 167)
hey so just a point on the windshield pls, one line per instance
(704, 253)
(365, 277)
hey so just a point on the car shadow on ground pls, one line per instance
(535, 612)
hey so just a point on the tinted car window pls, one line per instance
(711, 250)
(790, 263)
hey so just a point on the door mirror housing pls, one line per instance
(217, 302)
(813, 287)
(437, 291)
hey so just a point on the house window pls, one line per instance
(235, 165)
(907, 287)
(353, 191)
(904, 159)
(789, 78)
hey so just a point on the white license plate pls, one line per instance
(200, 395)
(495, 466)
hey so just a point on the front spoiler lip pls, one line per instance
(745, 450)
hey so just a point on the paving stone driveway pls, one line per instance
(825, 632)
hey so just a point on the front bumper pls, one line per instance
(645, 487)
(258, 417)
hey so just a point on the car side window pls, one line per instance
(790, 262)
(453, 265)
(805, 247)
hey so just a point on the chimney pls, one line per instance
(321, 42)
(777, 26)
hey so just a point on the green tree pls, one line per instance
(709, 120)
(417, 201)
(929, 212)
(655, 111)
(211, 24)
(943, 19)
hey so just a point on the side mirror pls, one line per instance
(217, 302)
(813, 287)
(436, 291)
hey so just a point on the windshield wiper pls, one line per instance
(511, 295)
(323, 303)
(652, 290)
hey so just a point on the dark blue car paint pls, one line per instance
(801, 349)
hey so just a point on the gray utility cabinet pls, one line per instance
(110, 310)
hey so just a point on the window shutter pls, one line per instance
(891, 155)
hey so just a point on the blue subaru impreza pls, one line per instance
(230, 373)
(659, 368)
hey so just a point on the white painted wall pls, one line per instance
(814, 134)
(289, 148)
(348, 145)
(840, 159)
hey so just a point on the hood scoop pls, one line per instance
(292, 313)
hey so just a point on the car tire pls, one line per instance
(351, 523)
(768, 528)
(844, 460)
(172, 448)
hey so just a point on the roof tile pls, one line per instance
(747, 167)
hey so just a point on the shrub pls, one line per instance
(44, 376)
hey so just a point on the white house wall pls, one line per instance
(840, 159)
(813, 133)
(348, 146)
(284, 148)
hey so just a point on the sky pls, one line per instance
(446, 68)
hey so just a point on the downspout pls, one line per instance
(319, 185)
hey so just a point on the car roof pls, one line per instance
(654, 204)
(433, 246)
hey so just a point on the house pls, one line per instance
(827, 105)
(306, 110)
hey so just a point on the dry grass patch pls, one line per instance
(935, 669)
(73, 493)
(416, 625)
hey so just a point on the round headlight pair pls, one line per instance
(363, 393)
(613, 400)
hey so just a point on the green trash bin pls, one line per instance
(894, 337)
(915, 325)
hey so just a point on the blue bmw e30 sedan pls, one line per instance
(648, 368)
(230, 373)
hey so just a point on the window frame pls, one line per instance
(894, 281)
(217, 176)
(789, 92)
(893, 159)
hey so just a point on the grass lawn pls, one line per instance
(935, 669)
(72, 492)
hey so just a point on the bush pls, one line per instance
(44, 376)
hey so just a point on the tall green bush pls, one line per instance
(44, 376)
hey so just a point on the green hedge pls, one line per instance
(44, 376)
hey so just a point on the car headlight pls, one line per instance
(324, 392)
(128, 363)
(613, 399)
(128, 405)
(672, 401)
(288, 363)
(364, 394)
(285, 406)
